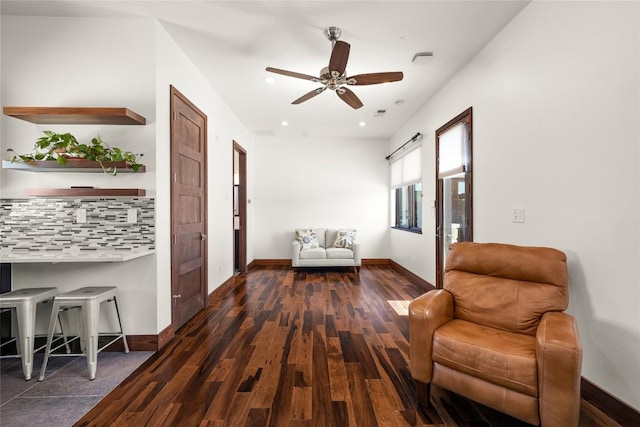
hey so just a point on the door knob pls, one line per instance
(177, 296)
(203, 236)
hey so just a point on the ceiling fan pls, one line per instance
(334, 77)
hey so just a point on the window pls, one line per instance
(406, 192)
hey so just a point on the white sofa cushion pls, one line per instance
(339, 253)
(313, 253)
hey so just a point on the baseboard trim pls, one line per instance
(135, 343)
(165, 336)
(376, 261)
(269, 263)
(414, 278)
(225, 288)
(619, 411)
(287, 262)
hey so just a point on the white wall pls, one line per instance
(556, 110)
(175, 68)
(80, 63)
(322, 183)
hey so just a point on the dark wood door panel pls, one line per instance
(192, 298)
(190, 171)
(189, 266)
(188, 209)
(189, 247)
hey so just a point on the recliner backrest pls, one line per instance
(504, 286)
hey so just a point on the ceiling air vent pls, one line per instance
(380, 113)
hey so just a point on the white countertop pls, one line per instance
(106, 255)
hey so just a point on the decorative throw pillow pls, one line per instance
(345, 239)
(307, 238)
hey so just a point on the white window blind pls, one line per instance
(407, 169)
(451, 152)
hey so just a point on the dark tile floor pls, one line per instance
(66, 393)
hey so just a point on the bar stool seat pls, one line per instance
(88, 301)
(23, 305)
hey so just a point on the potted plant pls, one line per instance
(62, 147)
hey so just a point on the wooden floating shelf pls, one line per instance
(76, 115)
(73, 165)
(85, 191)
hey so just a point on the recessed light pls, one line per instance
(284, 123)
(269, 80)
(399, 102)
(362, 124)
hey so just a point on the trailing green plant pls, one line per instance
(61, 147)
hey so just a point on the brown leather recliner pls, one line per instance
(497, 333)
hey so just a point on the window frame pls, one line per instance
(413, 190)
(414, 208)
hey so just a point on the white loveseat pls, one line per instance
(305, 253)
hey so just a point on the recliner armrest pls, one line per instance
(295, 253)
(559, 356)
(426, 314)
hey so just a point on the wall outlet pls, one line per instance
(132, 216)
(517, 215)
(81, 216)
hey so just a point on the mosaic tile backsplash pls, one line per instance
(43, 224)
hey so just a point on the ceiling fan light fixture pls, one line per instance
(422, 58)
(333, 33)
(362, 124)
(269, 80)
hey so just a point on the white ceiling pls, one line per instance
(233, 42)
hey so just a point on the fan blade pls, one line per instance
(375, 78)
(349, 97)
(309, 95)
(292, 74)
(339, 57)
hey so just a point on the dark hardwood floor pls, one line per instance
(312, 348)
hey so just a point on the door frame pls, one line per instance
(242, 207)
(174, 93)
(467, 117)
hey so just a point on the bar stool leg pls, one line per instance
(91, 312)
(52, 325)
(64, 336)
(26, 317)
(14, 321)
(124, 337)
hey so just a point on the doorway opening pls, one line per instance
(239, 209)
(454, 204)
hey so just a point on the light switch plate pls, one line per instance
(518, 214)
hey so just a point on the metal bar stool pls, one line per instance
(23, 306)
(88, 301)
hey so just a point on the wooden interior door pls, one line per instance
(188, 209)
